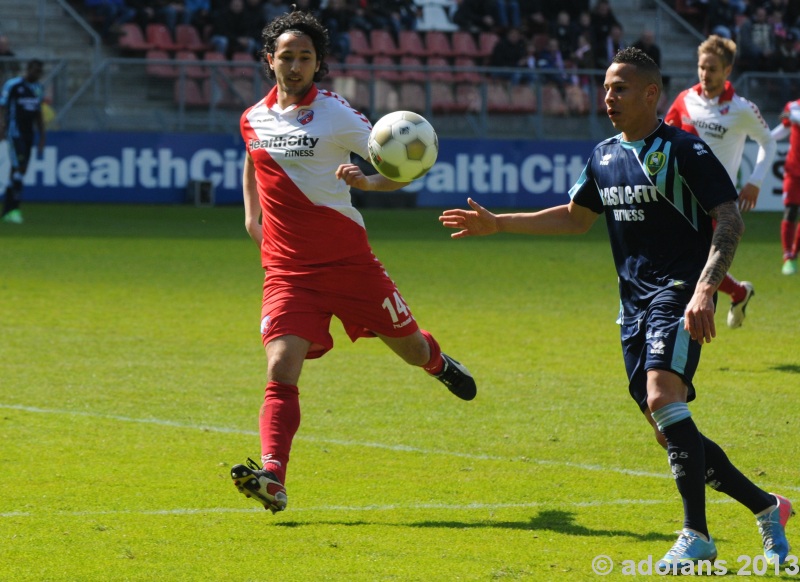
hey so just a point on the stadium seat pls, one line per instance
(188, 39)
(412, 75)
(131, 39)
(385, 69)
(523, 99)
(184, 62)
(468, 97)
(241, 65)
(464, 45)
(192, 94)
(552, 102)
(466, 76)
(382, 43)
(498, 99)
(385, 98)
(411, 96)
(159, 69)
(240, 94)
(437, 44)
(578, 102)
(486, 42)
(354, 66)
(443, 99)
(410, 44)
(215, 57)
(444, 72)
(359, 43)
(160, 37)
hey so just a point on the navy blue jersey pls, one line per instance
(656, 194)
(23, 103)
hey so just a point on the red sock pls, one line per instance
(278, 423)
(732, 287)
(788, 238)
(435, 363)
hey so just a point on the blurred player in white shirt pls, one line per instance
(724, 120)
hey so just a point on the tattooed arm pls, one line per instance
(699, 315)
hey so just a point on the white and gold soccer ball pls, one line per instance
(403, 146)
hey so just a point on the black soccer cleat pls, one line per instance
(457, 379)
(253, 481)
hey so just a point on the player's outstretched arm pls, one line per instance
(356, 178)
(699, 315)
(566, 219)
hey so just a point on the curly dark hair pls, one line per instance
(297, 22)
(640, 60)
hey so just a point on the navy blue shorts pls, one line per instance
(658, 341)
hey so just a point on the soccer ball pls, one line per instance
(403, 146)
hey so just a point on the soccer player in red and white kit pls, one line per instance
(790, 229)
(724, 120)
(314, 249)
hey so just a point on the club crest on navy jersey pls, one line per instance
(654, 162)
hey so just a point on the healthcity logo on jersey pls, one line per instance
(293, 146)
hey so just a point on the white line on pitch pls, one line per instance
(347, 443)
(344, 508)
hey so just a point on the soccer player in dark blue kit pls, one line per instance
(20, 119)
(659, 189)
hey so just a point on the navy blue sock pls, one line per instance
(722, 476)
(687, 460)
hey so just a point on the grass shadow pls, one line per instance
(788, 368)
(562, 522)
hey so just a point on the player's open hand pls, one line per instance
(748, 197)
(352, 175)
(475, 222)
(699, 317)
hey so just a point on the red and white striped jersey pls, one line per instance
(724, 123)
(307, 214)
(790, 125)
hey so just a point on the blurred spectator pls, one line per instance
(550, 65)
(232, 30)
(721, 18)
(584, 58)
(757, 42)
(274, 8)
(154, 11)
(254, 9)
(197, 13)
(610, 47)
(510, 51)
(564, 32)
(647, 44)
(397, 14)
(9, 67)
(507, 13)
(337, 18)
(536, 24)
(111, 13)
(787, 57)
(476, 15)
(602, 19)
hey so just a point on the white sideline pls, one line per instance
(347, 443)
(343, 508)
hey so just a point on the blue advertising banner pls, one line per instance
(155, 168)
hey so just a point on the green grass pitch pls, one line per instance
(131, 373)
